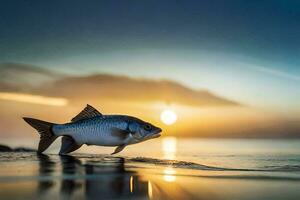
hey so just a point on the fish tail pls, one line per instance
(47, 136)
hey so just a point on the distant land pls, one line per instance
(5, 148)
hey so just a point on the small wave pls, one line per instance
(111, 160)
(197, 166)
(287, 168)
(180, 164)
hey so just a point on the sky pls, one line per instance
(245, 51)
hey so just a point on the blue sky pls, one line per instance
(244, 50)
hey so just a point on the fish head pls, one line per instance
(142, 131)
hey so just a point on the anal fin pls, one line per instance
(68, 145)
(119, 149)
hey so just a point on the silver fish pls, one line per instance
(92, 128)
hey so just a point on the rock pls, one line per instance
(23, 149)
(4, 148)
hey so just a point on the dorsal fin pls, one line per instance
(87, 112)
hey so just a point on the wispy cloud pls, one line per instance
(277, 73)
(34, 99)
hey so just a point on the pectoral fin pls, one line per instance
(119, 149)
(122, 134)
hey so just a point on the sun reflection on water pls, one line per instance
(150, 192)
(169, 147)
(169, 174)
(131, 184)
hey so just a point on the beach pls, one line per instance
(261, 173)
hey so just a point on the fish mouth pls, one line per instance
(154, 134)
(157, 132)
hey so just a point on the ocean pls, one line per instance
(165, 168)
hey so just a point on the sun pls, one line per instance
(168, 117)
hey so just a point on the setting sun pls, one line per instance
(168, 117)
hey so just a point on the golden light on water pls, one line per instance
(169, 174)
(169, 147)
(34, 99)
(131, 184)
(150, 190)
(168, 117)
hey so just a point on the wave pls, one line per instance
(96, 165)
(197, 166)
(100, 159)
(175, 163)
(286, 168)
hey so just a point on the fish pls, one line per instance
(91, 127)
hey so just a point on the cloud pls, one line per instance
(109, 87)
(100, 87)
(277, 73)
(23, 78)
(34, 99)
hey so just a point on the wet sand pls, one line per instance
(78, 176)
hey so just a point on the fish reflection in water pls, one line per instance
(92, 179)
(116, 182)
(70, 166)
(46, 168)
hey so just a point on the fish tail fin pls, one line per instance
(47, 136)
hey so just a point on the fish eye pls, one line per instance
(148, 127)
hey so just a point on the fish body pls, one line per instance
(92, 128)
(106, 130)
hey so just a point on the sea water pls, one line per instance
(165, 168)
